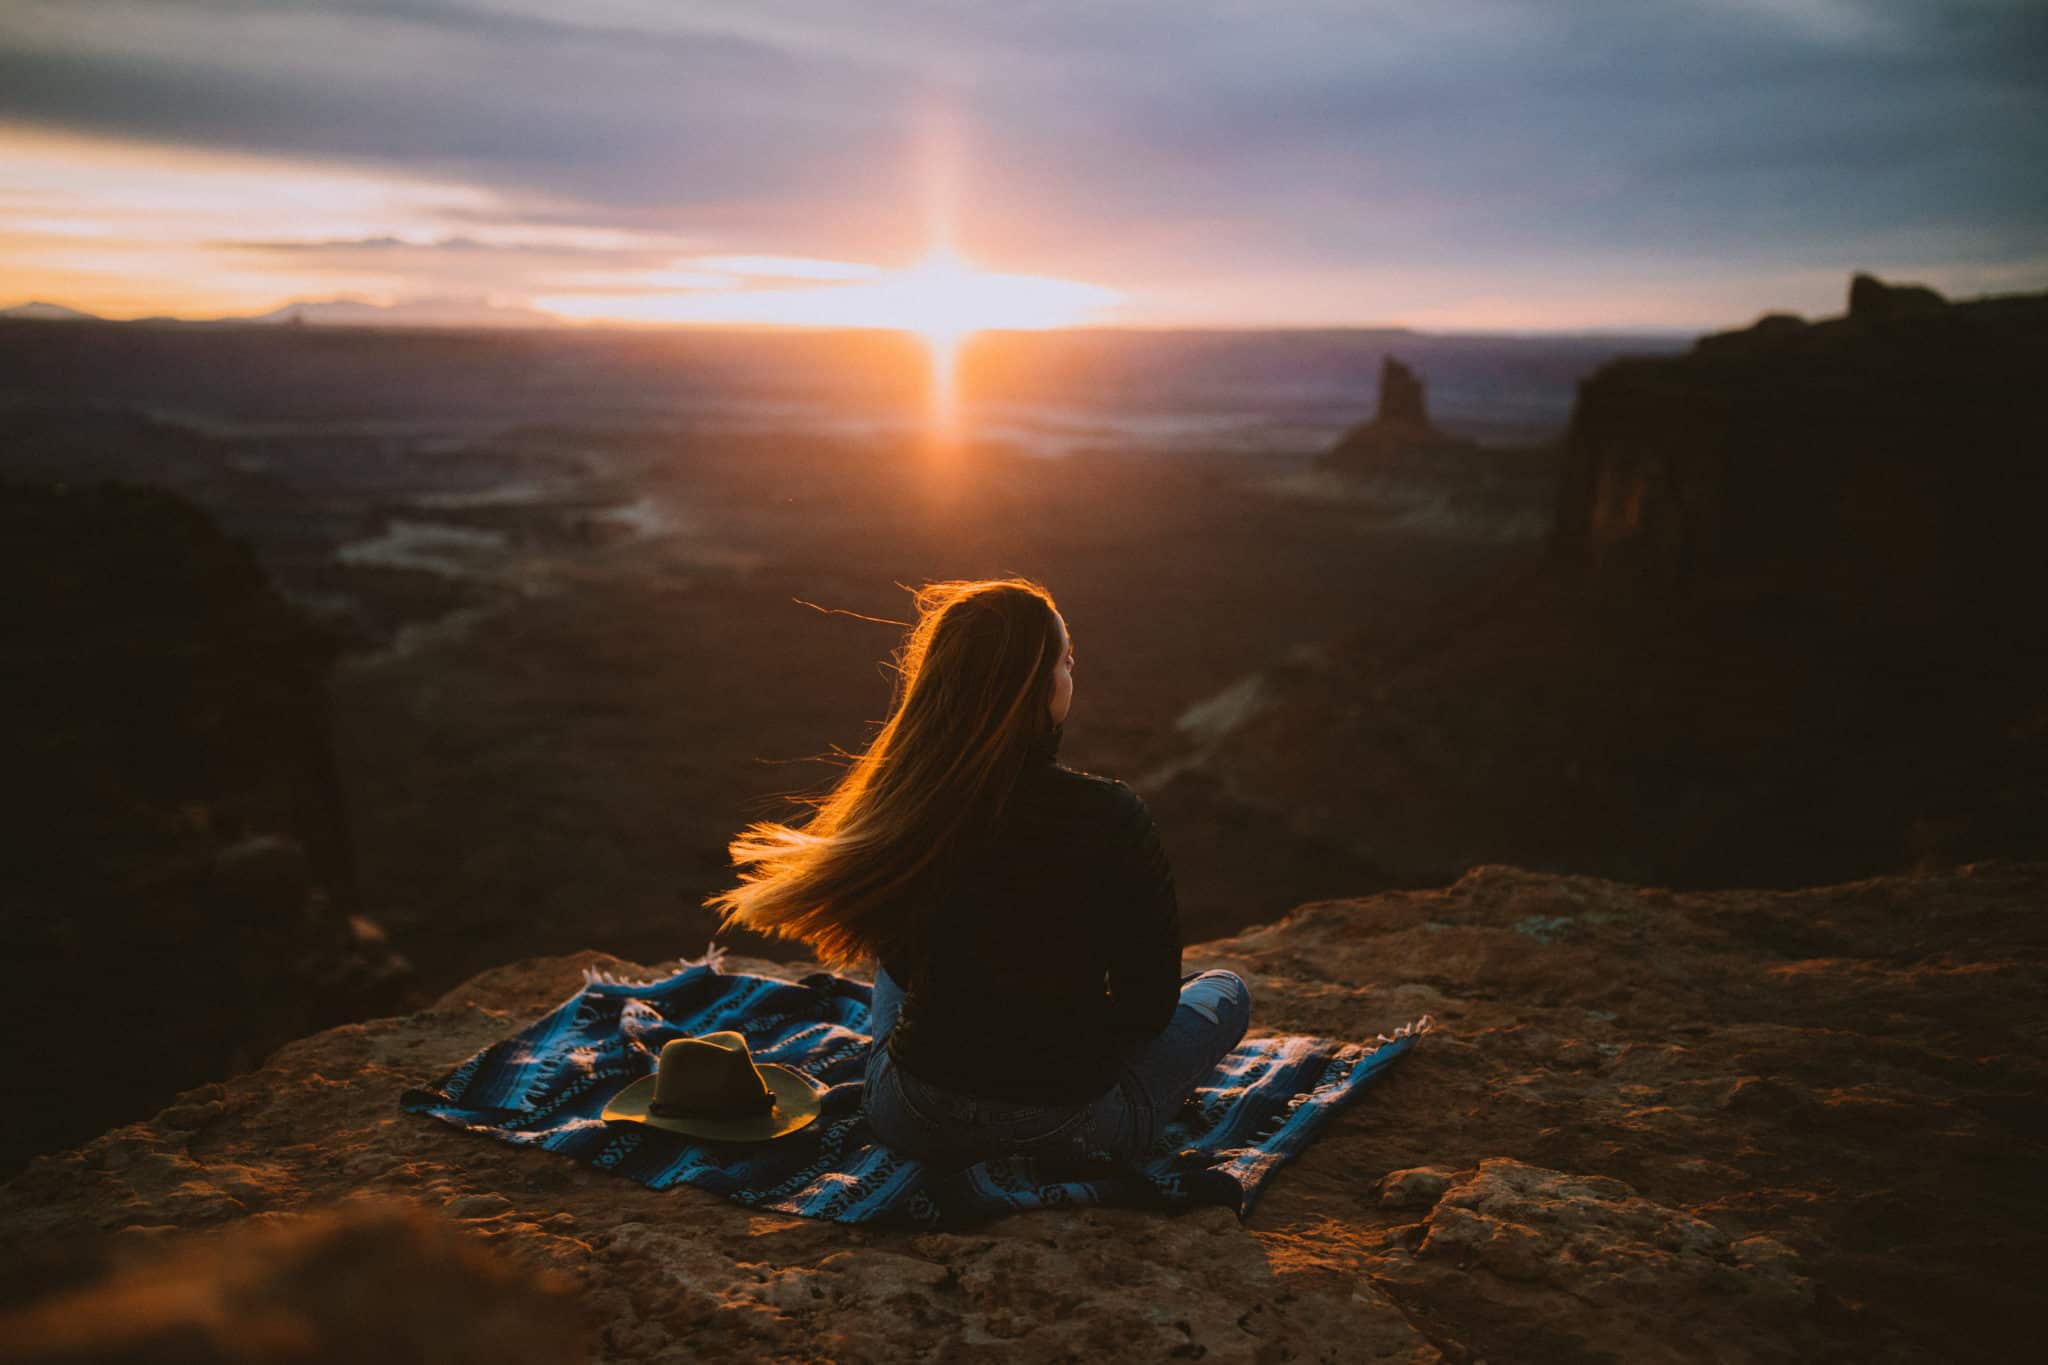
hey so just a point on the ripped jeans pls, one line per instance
(1154, 1077)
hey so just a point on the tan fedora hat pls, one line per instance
(711, 1087)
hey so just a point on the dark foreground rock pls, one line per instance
(379, 1280)
(180, 895)
(1742, 1126)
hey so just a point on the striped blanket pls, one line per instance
(546, 1085)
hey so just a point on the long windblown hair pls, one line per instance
(973, 695)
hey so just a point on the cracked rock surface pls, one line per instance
(1731, 1126)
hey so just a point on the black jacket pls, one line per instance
(1051, 939)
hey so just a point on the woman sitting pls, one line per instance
(1028, 994)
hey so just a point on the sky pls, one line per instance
(1455, 164)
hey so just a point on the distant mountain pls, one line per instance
(341, 312)
(445, 312)
(46, 312)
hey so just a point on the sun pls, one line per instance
(941, 298)
(945, 300)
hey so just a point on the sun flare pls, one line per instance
(945, 300)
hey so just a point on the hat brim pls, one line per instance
(796, 1104)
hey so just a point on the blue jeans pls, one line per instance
(1154, 1076)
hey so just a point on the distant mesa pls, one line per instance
(1871, 298)
(444, 312)
(1402, 400)
(339, 312)
(1872, 302)
(1400, 435)
(39, 311)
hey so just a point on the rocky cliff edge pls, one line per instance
(1740, 1126)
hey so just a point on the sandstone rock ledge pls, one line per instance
(1740, 1126)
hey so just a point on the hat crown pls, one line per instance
(712, 1077)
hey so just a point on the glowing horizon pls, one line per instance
(121, 229)
(1529, 168)
(124, 229)
(941, 294)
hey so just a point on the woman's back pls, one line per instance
(1028, 997)
(1049, 941)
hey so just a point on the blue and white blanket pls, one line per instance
(547, 1084)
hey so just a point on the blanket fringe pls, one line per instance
(1411, 1030)
(713, 958)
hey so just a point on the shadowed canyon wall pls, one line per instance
(1790, 631)
(1891, 458)
(183, 898)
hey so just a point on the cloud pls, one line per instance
(791, 267)
(1299, 152)
(377, 244)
